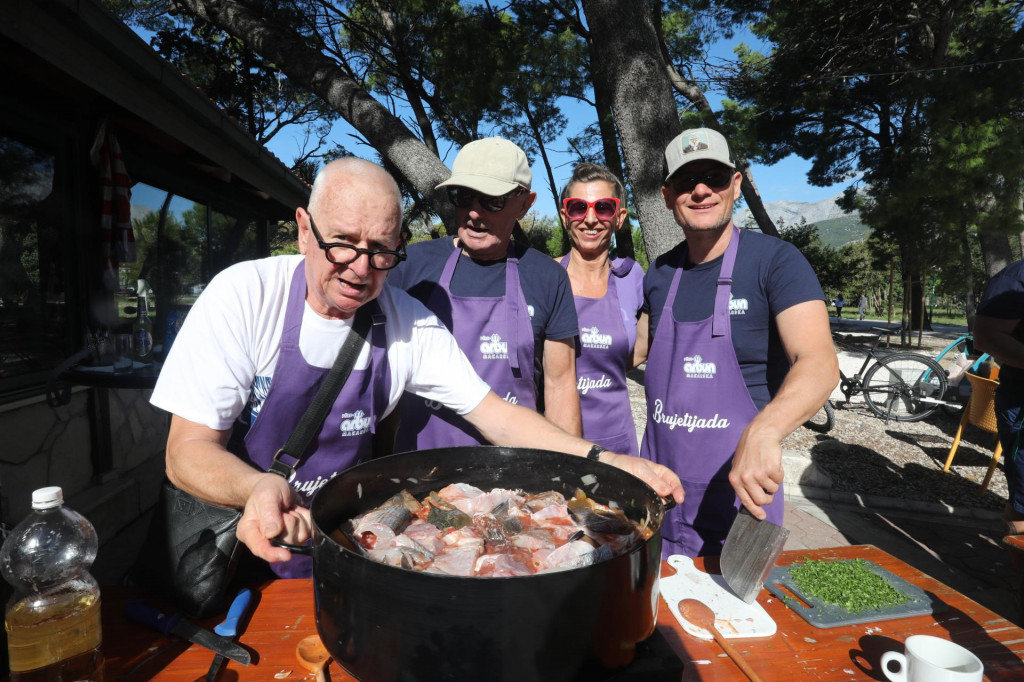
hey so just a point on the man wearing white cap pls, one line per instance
(740, 352)
(509, 307)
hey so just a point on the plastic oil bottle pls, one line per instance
(53, 617)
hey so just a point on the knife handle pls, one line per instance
(142, 613)
(239, 607)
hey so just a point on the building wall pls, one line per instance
(45, 446)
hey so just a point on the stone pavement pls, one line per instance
(959, 546)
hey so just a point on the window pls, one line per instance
(34, 317)
(181, 245)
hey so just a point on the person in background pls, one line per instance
(509, 306)
(998, 332)
(839, 303)
(264, 334)
(740, 352)
(862, 306)
(608, 295)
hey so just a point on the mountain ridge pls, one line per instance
(835, 226)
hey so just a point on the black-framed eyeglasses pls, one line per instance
(716, 178)
(462, 197)
(343, 254)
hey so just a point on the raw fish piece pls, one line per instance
(426, 534)
(458, 561)
(536, 502)
(502, 565)
(535, 538)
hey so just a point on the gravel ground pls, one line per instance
(904, 460)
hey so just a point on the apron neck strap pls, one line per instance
(720, 323)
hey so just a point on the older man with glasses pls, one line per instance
(509, 306)
(264, 334)
(740, 351)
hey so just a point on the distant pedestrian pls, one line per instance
(862, 305)
(839, 303)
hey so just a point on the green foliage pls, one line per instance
(836, 232)
(872, 94)
(544, 233)
(248, 88)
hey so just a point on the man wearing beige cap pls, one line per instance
(739, 356)
(510, 307)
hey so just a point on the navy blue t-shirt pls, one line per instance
(770, 276)
(1004, 300)
(544, 282)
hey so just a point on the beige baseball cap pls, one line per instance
(696, 144)
(492, 166)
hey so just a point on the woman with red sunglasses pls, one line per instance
(608, 294)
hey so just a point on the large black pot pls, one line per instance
(383, 623)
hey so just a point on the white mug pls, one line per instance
(933, 659)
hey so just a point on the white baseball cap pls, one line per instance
(696, 144)
(492, 166)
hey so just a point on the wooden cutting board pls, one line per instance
(734, 618)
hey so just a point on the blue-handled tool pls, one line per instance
(229, 629)
(174, 624)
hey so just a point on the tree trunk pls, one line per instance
(610, 144)
(293, 54)
(995, 251)
(538, 139)
(630, 65)
(970, 305)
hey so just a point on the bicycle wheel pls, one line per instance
(824, 420)
(905, 387)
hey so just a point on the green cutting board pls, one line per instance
(822, 615)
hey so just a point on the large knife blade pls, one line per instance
(228, 629)
(142, 613)
(751, 549)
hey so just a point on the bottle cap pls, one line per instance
(47, 498)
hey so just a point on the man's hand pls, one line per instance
(757, 471)
(272, 511)
(662, 479)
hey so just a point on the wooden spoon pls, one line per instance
(702, 616)
(313, 656)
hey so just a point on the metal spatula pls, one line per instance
(751, 550)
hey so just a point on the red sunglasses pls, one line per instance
(604, 209)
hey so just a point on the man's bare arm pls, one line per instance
(814, 371)
(199, 463)
(561, 398)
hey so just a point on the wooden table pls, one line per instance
(798, 651)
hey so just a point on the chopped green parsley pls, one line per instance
(850, 585)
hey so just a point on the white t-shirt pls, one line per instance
(230, 340)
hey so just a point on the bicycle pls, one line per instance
(963, 344)
(895, 385)
(959, 350)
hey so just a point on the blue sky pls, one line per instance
(786, 180)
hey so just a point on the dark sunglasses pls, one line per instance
(605, 209)
(462, 197)
(342, 254)
(717, 179)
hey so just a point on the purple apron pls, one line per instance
(496, 335)
(601, 371)
(346, 435)
(697, 408)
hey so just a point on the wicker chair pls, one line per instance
(981, 412)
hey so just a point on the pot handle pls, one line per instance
(305, 550)
(667, 503)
